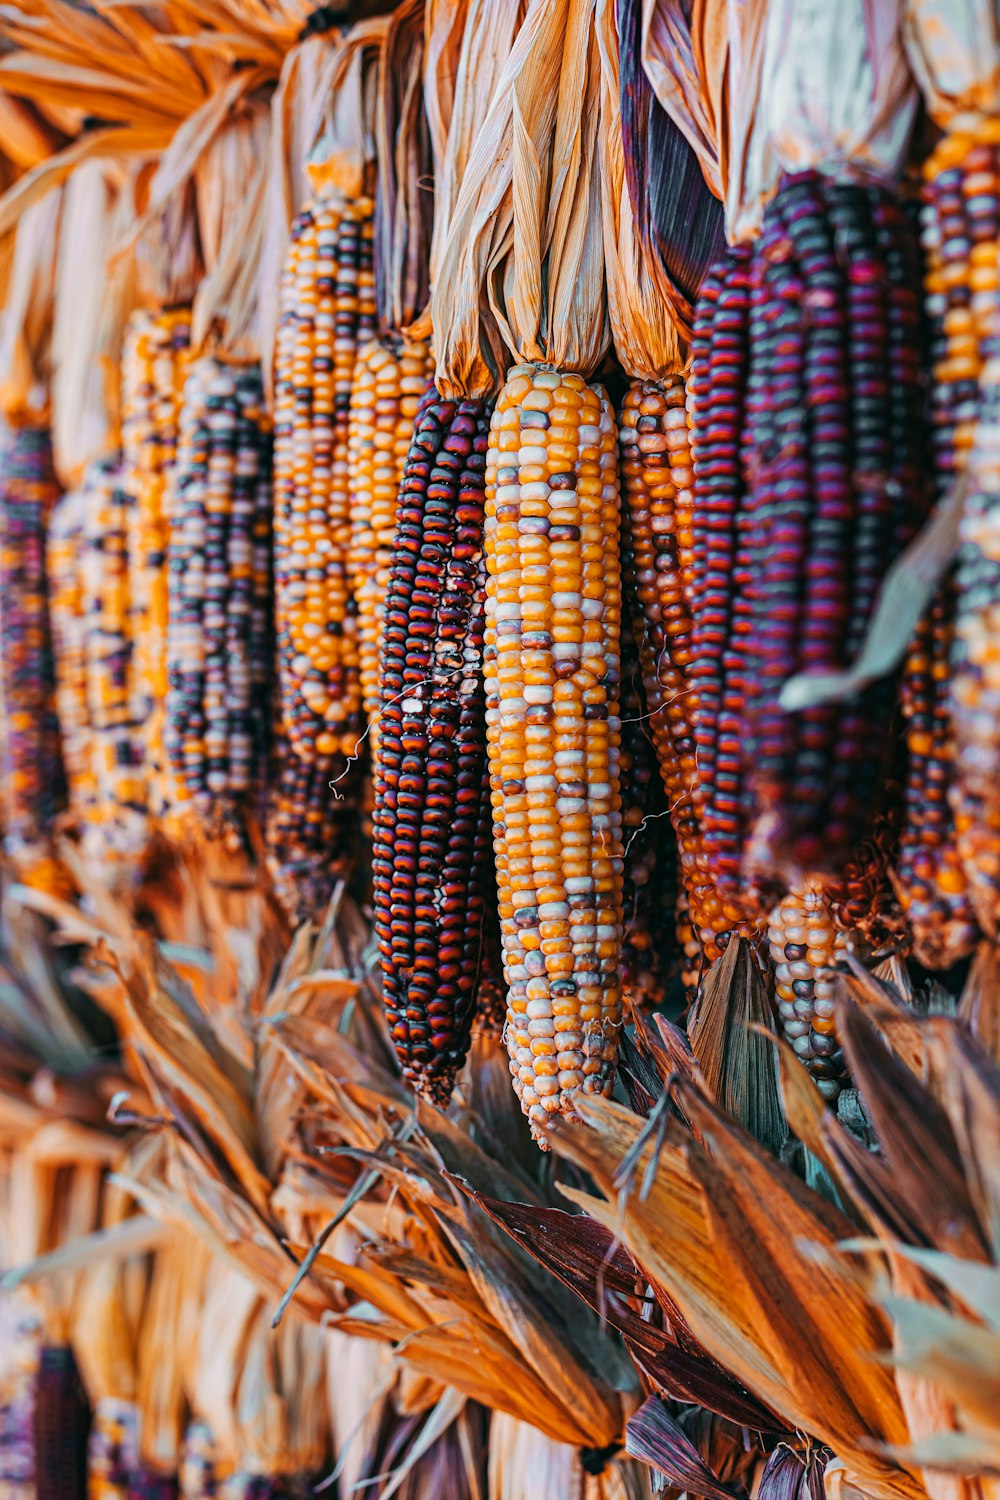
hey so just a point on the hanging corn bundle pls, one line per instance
(393, 372)
(956, 58)
(430, 854)
(326, 314)
(218, 636)
(553, 608)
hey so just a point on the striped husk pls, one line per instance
(553, 671)
(431, 830)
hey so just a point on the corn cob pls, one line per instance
(838, 487)
(390, 379)
(643, 807)
(119, 823)
(310, 828)
(67, 529)
(61, 1427)
(327, 312)
(929, 875)
(491, 992)
(431, 835)
(154, 366)
(553, 633)
(148, 1485)
(658, 567)
(113, 1450)
(975, 688)
(806, 949)
(29, 743)
(218, 635)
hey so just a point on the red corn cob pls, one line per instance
(431, 819)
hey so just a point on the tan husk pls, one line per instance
(26, 325)
(953, 47)
(523, 267)
(404, 209)
(646, 336)
(685, 53)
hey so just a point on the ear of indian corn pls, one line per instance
(806, 950)
(30, 785)
(929, 876)
(327, 312)
(219, 566)
(390, 379)
(658, 536)
(64, 562)
(553, 643)
(113, 1450)
(154, 366)
(120, 823)
(431, 816)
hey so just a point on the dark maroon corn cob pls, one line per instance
(431, 844)
(837, 475)
(312, 824)
(491, 990)
(147, 1485)
(30, 770)
(61, 1427)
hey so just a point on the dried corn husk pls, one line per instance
(404, 196)
(26, 320)
(525, 1465)
(96, 292)
(685, 52)
(953, 47)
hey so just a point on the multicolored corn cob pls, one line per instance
(658, 569)
(113, 1450)
(390, 380)
(975, 685)
(61, 1427)
(806, 950)
(219, 579)
(119, 824)
(311, 827)
(431, 816)
(643, 809)
(64, 566)
(30, 770)
(928, 875)
(327, 313)
(838, 485)
(154, 368)
(553, 675)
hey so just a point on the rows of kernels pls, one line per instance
(154, 367)
(975, 684)
(29, 740)
(219, 579)
(554, 623)
(806, 949)
(327, 313)
(431, 816)
(643, 817)
(310, 828)
(112, 1450)
(69, 642)
(119, 771)
(929, 875)
(389, 384)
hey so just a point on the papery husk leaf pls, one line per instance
(737, 1061)
(979, 1006)
(26, 326)
(953, 47)
(653, 1436)
(229, 1301)
(468, 45)
(647, 329)
(95, 296)
(340, 165)
(677, 219)
(836, 91)
(967, 1082)
(404, 202)
(715, 1231)
(169, 1324)
(25, 138)
(685, 55)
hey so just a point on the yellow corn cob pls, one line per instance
(389, 382)
(327, 311)
(552, 684)
(806, 949)
(154, 367)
